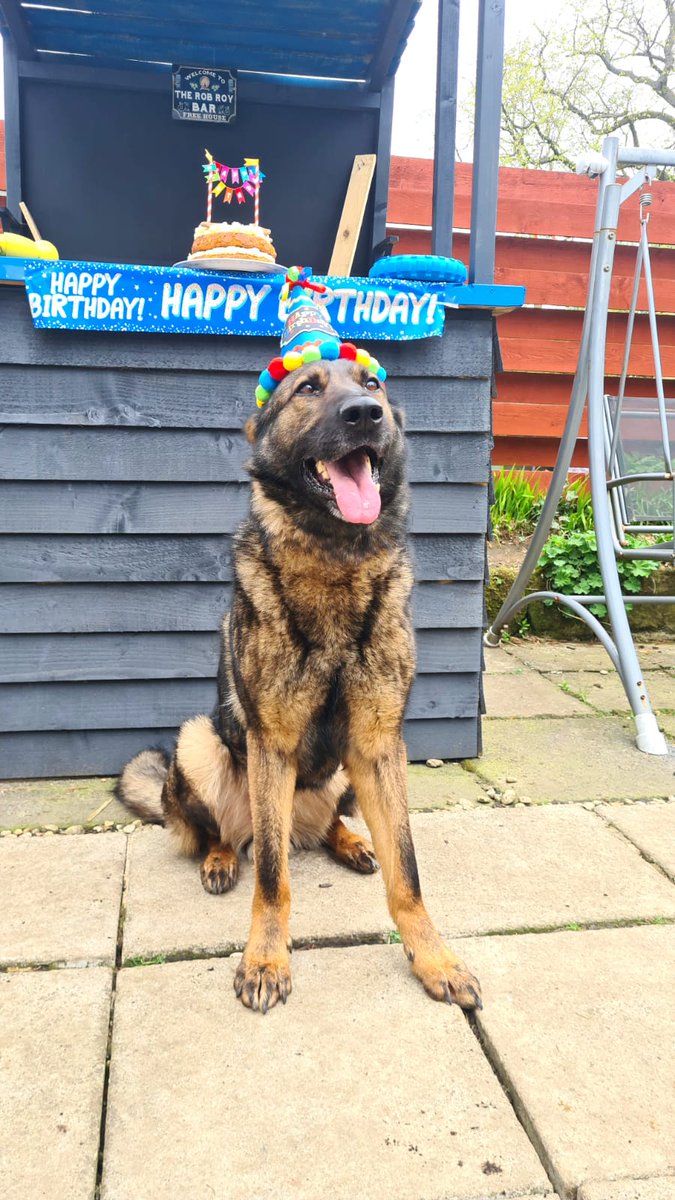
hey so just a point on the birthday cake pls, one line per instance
(231, 239)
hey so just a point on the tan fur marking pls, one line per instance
(381, 790)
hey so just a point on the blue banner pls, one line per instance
(109, 298)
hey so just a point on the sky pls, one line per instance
(413, 131)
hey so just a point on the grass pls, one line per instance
(517, 504)
(519, 498)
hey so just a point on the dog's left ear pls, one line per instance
(251, 429)
(399, 416)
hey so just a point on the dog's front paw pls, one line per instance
(259, 985)
(447, 978)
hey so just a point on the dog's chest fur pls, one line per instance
(314, 648)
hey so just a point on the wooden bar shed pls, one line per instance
(121, 454)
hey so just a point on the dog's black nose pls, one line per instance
(361, 412)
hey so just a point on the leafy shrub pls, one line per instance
(569, 562)
(575, 507)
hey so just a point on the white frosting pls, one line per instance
(232, 252)
(206, 227)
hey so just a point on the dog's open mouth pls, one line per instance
(352, 482)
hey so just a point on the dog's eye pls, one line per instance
(308, 388)
(373, 385)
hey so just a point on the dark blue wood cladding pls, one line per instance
(113, 577)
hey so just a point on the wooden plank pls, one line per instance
(50, 658)
(564, 325)
(82, 559)
(463, 352)
(118, 509)
(69, 396)
(521, 388)
(451, 557)
(544, 353)
(115, 508)
(537, 203)
(80, 752)
(532, 420)
(176, 607)
(123, 704)
(111, 705)
(448, 651)
(179, 456)
(555, 270)
(105, 751)
(534, 452)
(439, 738)
(353, 211)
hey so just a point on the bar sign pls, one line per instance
(204, 94)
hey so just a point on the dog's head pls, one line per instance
(329, 446)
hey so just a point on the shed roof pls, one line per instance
(356, 44)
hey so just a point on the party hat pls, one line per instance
(307, 337)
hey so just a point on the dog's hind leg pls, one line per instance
(379, 780)
(350, 849)
(220, 869)
(206, 801)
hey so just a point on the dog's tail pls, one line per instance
(140, 785)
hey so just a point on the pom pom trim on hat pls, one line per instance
(279, 368)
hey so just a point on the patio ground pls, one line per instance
(131, 1073)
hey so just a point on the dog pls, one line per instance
(317, 660)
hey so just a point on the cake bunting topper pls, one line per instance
(233, 181)
(307, 337)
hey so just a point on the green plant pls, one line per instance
(523, 623)
(575, 508)
(569, 562)
(519, 497)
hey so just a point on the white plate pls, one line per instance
(232, 264)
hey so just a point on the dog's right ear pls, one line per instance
(251, 429)
(399, 416)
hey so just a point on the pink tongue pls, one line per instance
(358, 498)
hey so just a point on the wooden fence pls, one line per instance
(545, 226)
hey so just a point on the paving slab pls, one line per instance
(168, 911)
(576, 758)
(482, 871)
(500, 661)
(651, 827)
(55, 1026)
(28, 804)
(584, 656)
(60, 898)
(606, 693)
(359, 1086)
(560, 656)
(441, 787)
(630, 1189)
(581, 1026)
(520, 869)
(528, 695)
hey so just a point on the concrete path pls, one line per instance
(128, 1071)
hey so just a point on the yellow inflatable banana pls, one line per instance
(13, 245)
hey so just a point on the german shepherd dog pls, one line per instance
(317, 660)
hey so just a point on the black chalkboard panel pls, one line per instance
(110, 177)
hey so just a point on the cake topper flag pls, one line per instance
(308, 337)
(233, 181)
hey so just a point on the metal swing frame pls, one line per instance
(610, 475)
